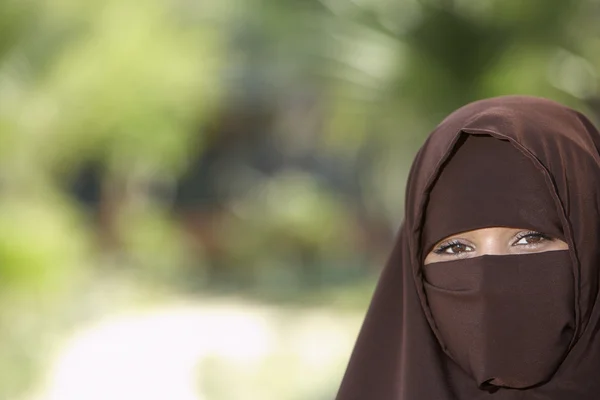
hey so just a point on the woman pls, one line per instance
(491, 288)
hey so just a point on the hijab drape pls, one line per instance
(533, 334)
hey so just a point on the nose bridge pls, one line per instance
(491, 244)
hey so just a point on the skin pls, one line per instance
(493, 241)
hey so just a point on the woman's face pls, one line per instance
(492, 241)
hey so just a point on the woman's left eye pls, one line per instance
(531, 238)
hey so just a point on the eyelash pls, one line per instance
(443, 247)
(523, 235)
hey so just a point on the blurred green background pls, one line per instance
(196, 196)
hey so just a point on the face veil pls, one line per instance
(506, 320)
(409, 346)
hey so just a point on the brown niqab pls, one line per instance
(502, 327)
(507, 320)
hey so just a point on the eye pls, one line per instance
(531, 238)
(453, 247)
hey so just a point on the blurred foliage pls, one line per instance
(255, 144)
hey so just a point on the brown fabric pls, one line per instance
(401, 352)
(506, 320)
(488, 182)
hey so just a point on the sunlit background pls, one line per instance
(196, 196)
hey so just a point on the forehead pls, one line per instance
(488, 182)
(494, 231)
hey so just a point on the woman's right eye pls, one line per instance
(453, 248)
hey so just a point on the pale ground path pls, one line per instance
(158, 353)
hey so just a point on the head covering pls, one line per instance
(410, 348)
(488, 182)
(506, 320)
